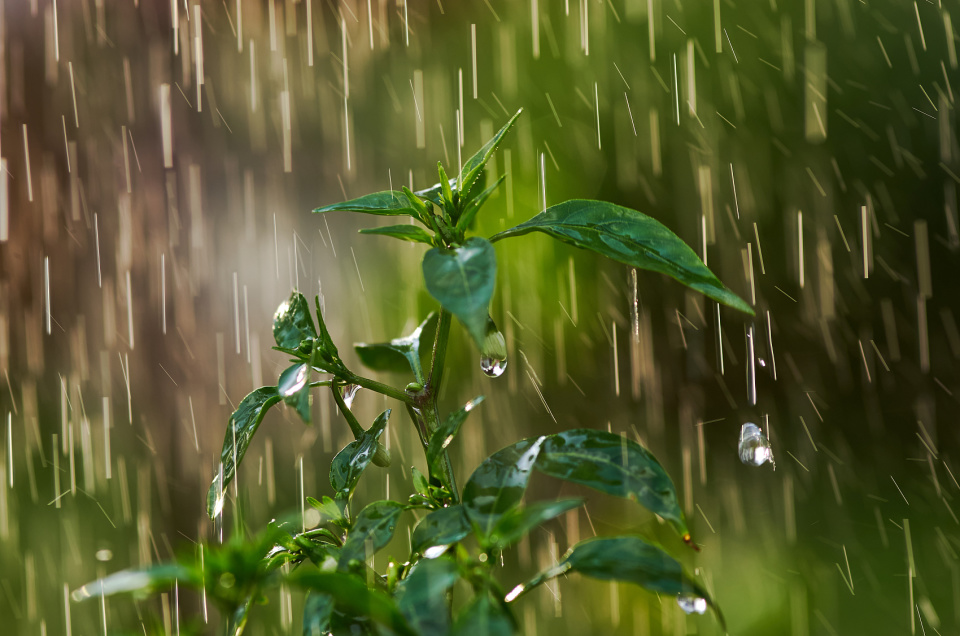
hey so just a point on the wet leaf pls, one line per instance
(471, 209)
(422, 596)
(498, 484)
(329, 510)
(615, 465)
(420, 483)
(352, 597)
(441, 527)
(462, 280)
(294, 388)
(518, 522)
(350, 462)
(484, 616)
(371, 531)
(401, 354)
(629, 237)
(434, 193)
(292, 322)
(145, 581)
(326, 342)
(388, 203)
(445, 433)
(240, 430)
(317, 611)
(410, 233)
(474, 165)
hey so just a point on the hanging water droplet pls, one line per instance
(761, 362)
(493, 353)
(299, 380)
(350, 392)
(492, 367)
(692, 604)
(755, 448)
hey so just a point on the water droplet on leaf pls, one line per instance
(755, 448)
(493, 367)
(692, 604)
(434, 551)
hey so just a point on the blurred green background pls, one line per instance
(150, 224)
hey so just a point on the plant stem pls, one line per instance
(439, 353)
(430, 413)
(379, 387)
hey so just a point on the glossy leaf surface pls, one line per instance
(294, 388)
(462, 280)
(422, 596)
(352, 597)
(401, 354)
(447, 431)
(240, 430)
(631, 238)
(350, 463)
(434, 193)
(387, 203)
(372, 530)
(518, 522)
(484, 616)
(474, 165)
(615, 465)
(441, 527)
(410, 233)
(292, 322)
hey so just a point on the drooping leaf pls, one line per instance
(629, 237)
(422, 596)
(352, 597)
(440, 528)
(143, 581)
(292, 322)
(294, 388)
(484, 616)
(317, 611)
(350, 463)
(400, 354)
(240, 430)
(498, 484)
(372, 530)
(471, 209)
(410, 233)
(615, 465)
(473, 166)
(387, 203)
(462, 280)
(447, 431)
(518, 522)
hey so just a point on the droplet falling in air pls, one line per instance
(692, 604)
(492, 367)
(755, 448)
(349, 392)
(493, 354)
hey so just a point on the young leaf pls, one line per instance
(422, 596)
(294, 388)
(317, 611)
(420, 483)
(237, 619)
(352, 596)
(434, 193)
(518, 522)
(615, 465)
(498, 484)
(138, 581)
(292, 322)
(329, 510)
(350, 463)
(471, 209)
(388, 203)
(400, 355)
(240, 430)
(445, 433)
(439, 529)
(326, 342)
(484, 616)
(410, 233)
(473, 166)
(462, 280)
(629, 237)
(372, 530)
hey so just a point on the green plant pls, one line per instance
(414, 595)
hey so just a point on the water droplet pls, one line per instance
(104, 555)
(493, 367)
(755, 448)
(303, 374)
(692, 604)
(762, 362)
(350, 392)
(434, 551)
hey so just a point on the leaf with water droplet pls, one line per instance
(445, 433)
(240, 430)
(631, 238)
(352, 597)
(518, 522)
(350, 462)
(475, 164)
(498, 484)
(615, 465)
(411, 233)
(372, 530)
(462, 281)
(441, 527)
(292, 323)
(401, 354)
(387, 203)
(422, 595)
(294, 387)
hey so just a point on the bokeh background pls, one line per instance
(159, 164)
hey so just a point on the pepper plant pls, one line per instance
(414, 595)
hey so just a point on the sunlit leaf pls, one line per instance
(440, 528)
(240, 430)
(388, 203)
(326, 342)
(410, 233)
(350, 463)
(473, 166)
(515, 524)
(629, 237)
(352, 597)
(422, 595)
(447, 431)
(484, 616)
(462, 280)
(401, 354)
(372, 530)
(294, 388)
(292, 322)
(143, 581)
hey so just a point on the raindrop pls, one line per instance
(104, 555)
(691, 603)
(493, 367)
(350, 392)
(493, 354)
(755, 448)
(303, 374)
(434, 551)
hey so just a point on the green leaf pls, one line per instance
(292, 322)
(518, 522)
(326, 341)
(422, 596)
(388, 203)
(294, 388)
(238, 618)
(629, 237)
(329, 510)
(420, 483)
(615, 465)
(317, 611)
(400, 354)
(143, 581)
(240, 430)
(462, 280)
(498, 484)
(471, 169)
(484, 616)
(350, 463)
(352, 596)
(410, 233)
(372, 530)
(445, 433)
(471, 209)
(434, 193)
(440, 528)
